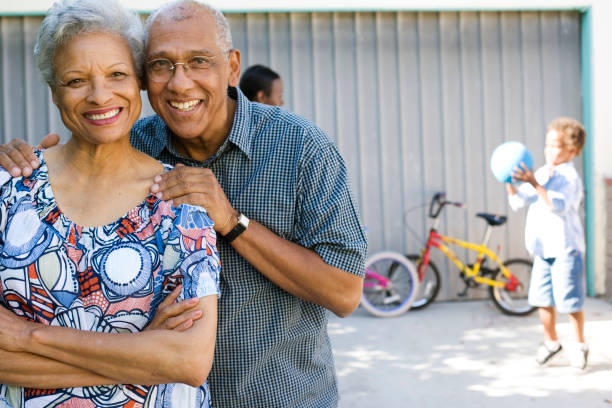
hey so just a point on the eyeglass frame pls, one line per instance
(186, 66)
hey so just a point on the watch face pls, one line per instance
(243, 220)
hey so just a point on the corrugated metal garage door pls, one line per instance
(416, 103)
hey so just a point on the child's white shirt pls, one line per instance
(551, 232)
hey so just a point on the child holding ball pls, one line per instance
(554, 236)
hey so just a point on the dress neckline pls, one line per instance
(50, 212)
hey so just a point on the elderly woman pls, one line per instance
(86, 254)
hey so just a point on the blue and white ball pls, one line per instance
(508, 156)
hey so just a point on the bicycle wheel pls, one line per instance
(428, 287)
(513, 302)
(390, 285)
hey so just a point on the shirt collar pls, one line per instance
(561, 167)
(241, 129)
(564, 165)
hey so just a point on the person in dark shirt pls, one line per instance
(261, 84)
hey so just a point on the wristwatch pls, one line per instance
(241, 226)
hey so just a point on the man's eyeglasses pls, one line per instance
(162, 69)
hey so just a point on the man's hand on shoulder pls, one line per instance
(197, 186)
(18, 158)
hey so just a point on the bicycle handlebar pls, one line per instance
(438, 202)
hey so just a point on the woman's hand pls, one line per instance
(14, 331)
(175, 316)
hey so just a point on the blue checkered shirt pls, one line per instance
(273, 349)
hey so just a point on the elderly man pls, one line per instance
(291, 244)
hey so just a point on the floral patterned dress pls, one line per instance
(105, 279)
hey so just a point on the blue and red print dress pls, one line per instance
(104, 279)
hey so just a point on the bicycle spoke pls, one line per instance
(513, 302)
(390, 284)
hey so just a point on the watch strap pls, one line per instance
(241, 226)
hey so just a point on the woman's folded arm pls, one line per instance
(148, 357)
(30, 370)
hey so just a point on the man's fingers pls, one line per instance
(192, 199)
(28, 153)
(182, 190)
(181, 175)
(49, 141)
(13, 159)
(9, 165)
(15, 151)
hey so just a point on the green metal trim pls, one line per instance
(586, 54)
(409, 9)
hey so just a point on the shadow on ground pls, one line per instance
(467, 354)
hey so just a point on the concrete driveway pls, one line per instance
(467, 354)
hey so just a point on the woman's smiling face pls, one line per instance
(97, 90)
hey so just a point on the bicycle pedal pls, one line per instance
(391, 299)
(463, 293)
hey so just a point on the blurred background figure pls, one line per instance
(261, 84)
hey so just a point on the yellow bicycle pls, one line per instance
(508, 281)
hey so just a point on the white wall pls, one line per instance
(602, 127)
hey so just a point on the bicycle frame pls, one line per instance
(381, 280)
(437, 240)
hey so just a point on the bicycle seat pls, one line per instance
(493, 219)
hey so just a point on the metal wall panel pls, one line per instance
(416, 103)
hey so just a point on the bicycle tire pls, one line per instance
(513, 303)
(394, 300)
(429, 287)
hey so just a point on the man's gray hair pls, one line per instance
(67, 19)
(224, 34)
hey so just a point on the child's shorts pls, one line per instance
(558, 282)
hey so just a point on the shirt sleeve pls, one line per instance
(524, 196)
(564, 194)
(526, 193)
(6, 190)
(327, 220)
(192, 251)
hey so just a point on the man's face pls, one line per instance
(193, 103)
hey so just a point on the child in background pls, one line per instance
(554, 236)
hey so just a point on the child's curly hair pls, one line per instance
(572, 132)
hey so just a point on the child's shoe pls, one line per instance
(580, 356)
(545, 353)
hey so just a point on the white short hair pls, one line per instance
(68, 18)
(224, 34)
